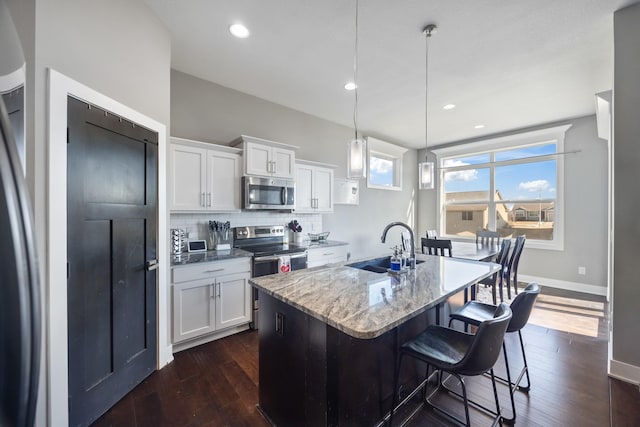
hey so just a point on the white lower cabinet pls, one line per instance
(210, 298)
(326, 255)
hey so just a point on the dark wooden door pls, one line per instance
(111, 219)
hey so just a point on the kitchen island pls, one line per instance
(329, 337)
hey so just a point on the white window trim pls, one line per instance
(554, 134)
(385, 150)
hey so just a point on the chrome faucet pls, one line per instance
(412, 255)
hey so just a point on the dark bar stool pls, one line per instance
(457, 353)
(475, 313)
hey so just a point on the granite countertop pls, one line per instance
(187, 258)
(365, 304)
(320, 244)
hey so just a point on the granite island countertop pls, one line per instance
(365, 304)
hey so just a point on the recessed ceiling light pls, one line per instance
(350, 86)
(478, 126)
(449, 107)
(239, 31)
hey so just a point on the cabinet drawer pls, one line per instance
(322, 256)
(216, 268)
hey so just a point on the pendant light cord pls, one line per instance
(355, 77)
(427, 32)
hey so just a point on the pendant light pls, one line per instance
(357, 148)
(426, 169)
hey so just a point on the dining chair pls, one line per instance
(497, 278)
(487, 237)
(511, 271)
(475, 312)
(440, 247)
(459, 354)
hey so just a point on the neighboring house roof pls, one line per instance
(465, 208)
(545, 206)
(472, 196)
(463, 196)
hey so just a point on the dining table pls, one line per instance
(474, 251)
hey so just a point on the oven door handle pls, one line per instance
(301, 255)
(284, 195)
(277, 257)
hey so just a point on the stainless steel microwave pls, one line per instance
(268, 193)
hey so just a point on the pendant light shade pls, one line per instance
(357, 147)
(357, 159)
(426, 169)
(426, 175)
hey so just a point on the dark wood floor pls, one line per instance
(216, 384)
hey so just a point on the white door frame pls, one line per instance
(55, 300)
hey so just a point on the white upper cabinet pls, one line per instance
(314, 187)
(223, 181)
(204, 177)
(267, 158)
(188, 183)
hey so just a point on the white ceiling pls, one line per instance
(505, 64)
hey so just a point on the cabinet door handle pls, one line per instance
(212, 292)
(202, 203)
(213, 271)
(218, 290)
(327, 254)
(209, 199)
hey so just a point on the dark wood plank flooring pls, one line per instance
(216, 384)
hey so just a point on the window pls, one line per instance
(510, 184)
(385, 165)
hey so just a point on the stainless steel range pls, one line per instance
(270, 254)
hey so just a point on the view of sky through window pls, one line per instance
(381, 171)
(522, 181)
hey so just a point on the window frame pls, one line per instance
(551, 135)
(387, 151)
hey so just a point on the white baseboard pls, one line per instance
(566, 285)
(624, 371)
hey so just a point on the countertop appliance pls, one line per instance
(268, 193)
(19, 291)
(266, 243)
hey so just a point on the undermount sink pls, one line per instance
(377, 265)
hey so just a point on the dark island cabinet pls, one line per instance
(312, 374)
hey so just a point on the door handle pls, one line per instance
(152, 264)
(202, 203)
(283, 195)
(209, 199)
(218, 289)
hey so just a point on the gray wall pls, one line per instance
(118, 48)
(209, 112)
(585, 194)
(626, 140)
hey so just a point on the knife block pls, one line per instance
(220, 240)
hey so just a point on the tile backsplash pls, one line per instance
(196, 225)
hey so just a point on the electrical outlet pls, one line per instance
(582, 270)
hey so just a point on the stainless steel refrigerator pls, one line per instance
(19, 286)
